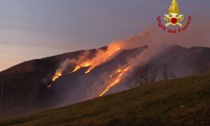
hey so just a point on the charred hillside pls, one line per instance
(24, 92)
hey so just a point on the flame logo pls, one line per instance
(174, 18)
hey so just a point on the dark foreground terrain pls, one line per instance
(180, 102)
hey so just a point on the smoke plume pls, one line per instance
(156, 40)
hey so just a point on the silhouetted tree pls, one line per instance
(146, 74)
(167, 71)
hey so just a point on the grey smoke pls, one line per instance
(157, 42)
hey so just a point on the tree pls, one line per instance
(167, 71)
(146, 74)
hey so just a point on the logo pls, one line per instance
(173, 20)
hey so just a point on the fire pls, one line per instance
(49, 86)
(56, 76)
(119, 71)
(88, 71)
(120, 74)
(85, 64)
(101, 57)
(76, 68)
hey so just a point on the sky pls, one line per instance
(32, 29)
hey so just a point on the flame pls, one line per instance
(101, 58)
(49, 86)
(56, 76)
(119, 77)
(174, 7)
(85, 64)
(76, 68)
(119, 71)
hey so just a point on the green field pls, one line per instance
(177, 102)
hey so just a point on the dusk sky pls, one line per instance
(31, 29)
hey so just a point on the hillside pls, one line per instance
(177, 102)
(24, 93)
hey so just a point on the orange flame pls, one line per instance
(85, 64)
(119, 77)
(98, 60)
(102, 59)
(56, 76)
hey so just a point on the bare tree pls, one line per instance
(146, 74)
(150, 72)
(167, 72)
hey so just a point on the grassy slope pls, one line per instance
(177, 102)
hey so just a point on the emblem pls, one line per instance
(174, 17)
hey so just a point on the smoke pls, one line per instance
(154, 48)
(68, 62)
(78, 60)
(195, 35)
(156, 41)
(102, 56)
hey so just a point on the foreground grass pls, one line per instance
(177, 102)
